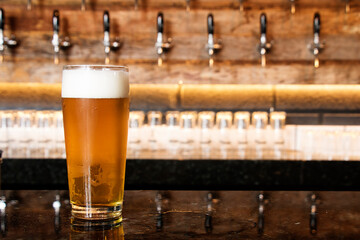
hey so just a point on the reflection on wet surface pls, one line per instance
(191, 215)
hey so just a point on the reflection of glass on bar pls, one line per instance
(173, 125)
(241, 123)
(187, 124)
(260, 121)
(154, 122)
(224, 124)
(136, 120)
(206, 123)
(277, 122)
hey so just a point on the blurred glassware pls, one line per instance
(44, 125)
(10, 125)
(59, 139)
(188, 124)
(154, 122)
(277, 122)
(260, 121)
(224, 124)
(206, 124)
(24, 127)
(173, 126)
(3, 132)
(136, 121)
(241, 123)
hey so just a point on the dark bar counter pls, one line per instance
(190, 174)
(185, 215)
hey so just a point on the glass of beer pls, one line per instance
(95, 103)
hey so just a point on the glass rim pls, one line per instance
(96, 67)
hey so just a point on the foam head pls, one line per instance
(85, 81)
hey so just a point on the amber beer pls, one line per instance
(95, 101)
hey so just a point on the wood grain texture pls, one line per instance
(227, 97)
(163, 97)
(317, 97)
(181, 4)
(197, 72)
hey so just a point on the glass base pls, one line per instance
(96, 215)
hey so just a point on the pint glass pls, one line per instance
(95, 103)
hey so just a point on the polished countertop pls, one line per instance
(190, 215)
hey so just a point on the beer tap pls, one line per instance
(264, 46)
(4, 41)
(56, 40)
(212, 46)
(28, 5)
(161, 45)
(109, 46)
(316, 47)
(292, 6)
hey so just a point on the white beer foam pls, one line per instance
(95, 83)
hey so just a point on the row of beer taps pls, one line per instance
(188, 4)
(162, 44)
(211, 200)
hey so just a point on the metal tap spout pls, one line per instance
(292, 6)
(28, 5)
(83, 5)
(241, 5)
(188, 5)
(347, 6)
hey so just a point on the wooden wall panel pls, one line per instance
(199, 73)
(181, 4)
(289, 62)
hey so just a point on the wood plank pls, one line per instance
(337, 48)
(181, 4)
(227, 22)
(198, 72)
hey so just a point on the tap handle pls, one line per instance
(316, 23)
(106, 21)
(210, 23)
(56, 21)
(160, 22)
(2, 19)
(263, 23)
